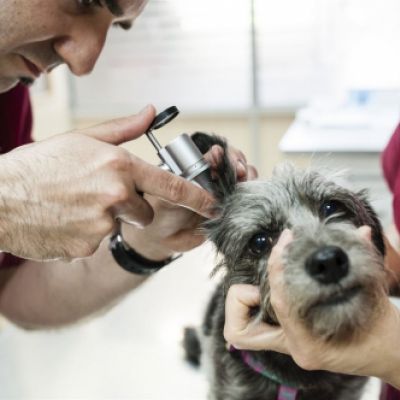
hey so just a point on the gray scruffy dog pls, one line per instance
(333, 277)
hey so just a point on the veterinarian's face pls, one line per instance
(38, 35)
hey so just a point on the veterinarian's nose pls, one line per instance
(328, 264)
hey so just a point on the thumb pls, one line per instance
(365, 232)
(262, 336)
(121, 130)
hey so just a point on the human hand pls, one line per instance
(60, 197)
(370, 353)
(174, 228)
(244, 171)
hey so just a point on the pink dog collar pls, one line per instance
(285, 391)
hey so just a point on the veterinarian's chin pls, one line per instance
(7, 84)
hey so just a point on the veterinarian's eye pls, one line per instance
(87, 4)
(330, 208)
(260, 243)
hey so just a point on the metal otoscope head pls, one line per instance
(181, 156)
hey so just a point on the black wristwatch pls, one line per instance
(127, 258)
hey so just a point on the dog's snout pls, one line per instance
(329, 264)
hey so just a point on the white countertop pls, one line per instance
(353, 129)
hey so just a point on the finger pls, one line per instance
(185, 240)
(236, 157)
(276, 276)
(157, 182)
(243, 295)
(244, 171)
(241, 170)
(284, 239)
(124, 129)
(136, 211)
(240, 330)
(263, 337)
(252, 173)
(365, 232)
(214, 156)
(239, 300)
(276, 254)
(238, 160)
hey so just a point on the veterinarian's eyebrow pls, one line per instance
(114, 8)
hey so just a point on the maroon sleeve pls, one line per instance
(391, 171)
(15, 130)
(389, 393)
(15, 119)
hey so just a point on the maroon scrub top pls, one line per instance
(15, 130)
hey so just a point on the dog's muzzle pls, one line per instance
(328, 265)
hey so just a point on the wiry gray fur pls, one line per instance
(291, 199)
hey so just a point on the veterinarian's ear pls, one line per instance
(369, 217)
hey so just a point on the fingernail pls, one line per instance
(145, 109)
(286, 235)
(240, 167)
(365, 232)
(216, 152)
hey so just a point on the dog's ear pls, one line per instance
(368, 216)
(223, 179)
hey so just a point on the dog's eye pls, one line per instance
(330, 208)
(260, 243)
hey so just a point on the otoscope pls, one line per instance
(182, 158)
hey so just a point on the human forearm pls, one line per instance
(390, 363)
(395, 381)
(394, 377)
(392, 261)
(52, 294)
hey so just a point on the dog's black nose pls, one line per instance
(328, 264)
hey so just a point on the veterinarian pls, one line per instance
(374, 353)
(59, 197)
